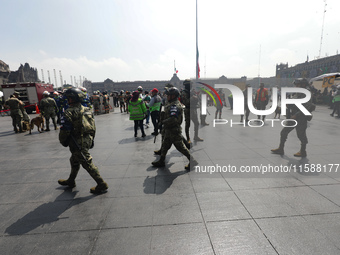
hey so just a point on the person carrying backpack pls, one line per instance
(77, 132)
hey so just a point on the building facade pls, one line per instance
(285, 75)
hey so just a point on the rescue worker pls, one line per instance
(190, 112)
(57, 100)
(48, 108)
(140, 90)
(137, 111)
(86, 102)
(293, 112)
(95, 101)
(77, 132)
(173, 118)
(106, 102)
(146, 99)
(14, 105)
(261, 100)
(127, 99)
(246, 108)
(121, 99)
(154, 108)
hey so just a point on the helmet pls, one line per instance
(55, 93)
(16, 93)
(172, 91)
(140, 88)
(46, 93)
(83, 89)
(75, 93)
(301, 82)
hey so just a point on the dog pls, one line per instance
(277, 112)
(39, 122)
(25, 124)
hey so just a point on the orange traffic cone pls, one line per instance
(37, 109)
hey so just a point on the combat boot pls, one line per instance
(157, 152)
(279, 151)
(302, 153)
(160, 162)
(191, 164)
(100, 188)
(68, 182)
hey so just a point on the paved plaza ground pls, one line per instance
(167, 210)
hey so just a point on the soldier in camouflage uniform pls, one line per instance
(293, 112)
(95, 101)
(190, 111)
(48, 108)
(173, 117)
(78, 132)
(14, 104)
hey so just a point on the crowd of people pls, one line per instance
(167, 107)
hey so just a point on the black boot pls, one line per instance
(160, 162)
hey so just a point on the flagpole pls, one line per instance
(197, 75)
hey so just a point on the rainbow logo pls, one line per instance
(213, 90)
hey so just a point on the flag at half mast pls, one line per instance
(197, 54)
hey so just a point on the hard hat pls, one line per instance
(46, 93)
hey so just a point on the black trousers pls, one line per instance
(154, 119)
(139, 123)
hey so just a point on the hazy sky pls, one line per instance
(128, 40)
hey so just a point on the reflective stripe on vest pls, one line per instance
(155, 107)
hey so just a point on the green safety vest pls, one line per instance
(137, 110)
(155, 107)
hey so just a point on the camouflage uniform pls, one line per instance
(48, 107)
(173, 118)
(14, 104)
(293, 112)
(72, 125)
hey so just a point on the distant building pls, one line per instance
(110, 86)
(25, 73)
(285, 75)
(4, 72)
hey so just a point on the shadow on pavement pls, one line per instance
(45, 213)
(162, 181)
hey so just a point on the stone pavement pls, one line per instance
(167, 210)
